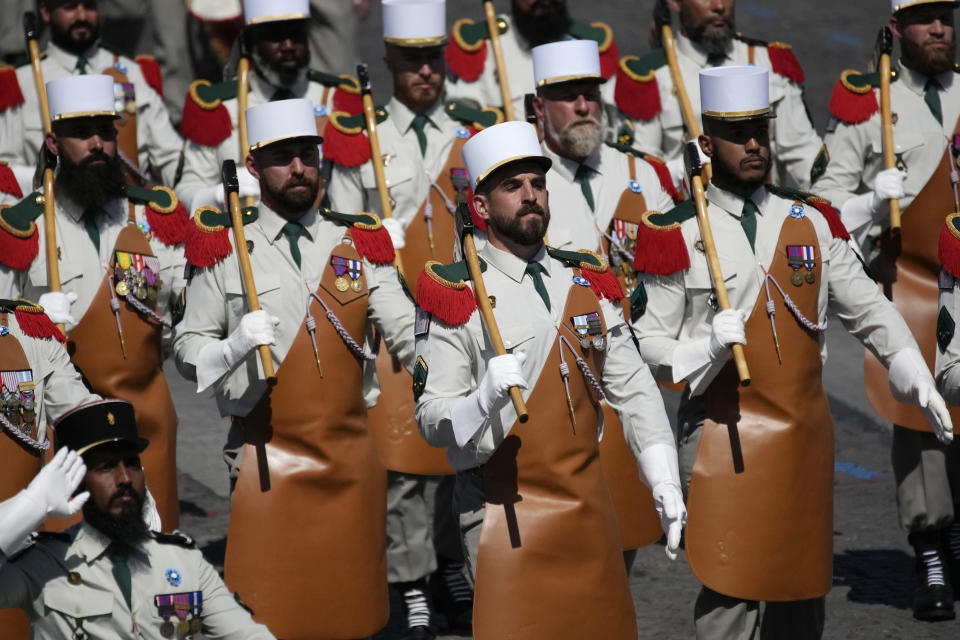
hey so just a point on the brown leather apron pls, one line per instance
(306, 546)
(392, 422)
(761, 496)
(916, 292)
(549, 563)
(20, 465)
(127, 123)
(94, 347)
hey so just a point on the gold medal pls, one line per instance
(123, 289)
(357, 286)
(140, 292)
(167, 629)
(795, 278)
(183, 627)
(131, 107)
(810, 277)
(196, 625)
(341, 283)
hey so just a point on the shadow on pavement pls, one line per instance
(876, 576)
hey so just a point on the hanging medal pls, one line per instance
(356, 270)
(340, 267)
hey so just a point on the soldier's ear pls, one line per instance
(251, 164)
(537, 104)
(894, 25)
(706, 145)
(50, 141)
(480, 206)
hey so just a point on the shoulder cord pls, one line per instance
(26, 440)
(790, 304)
(141, 308)
(428, 207)
(348, 340)
(582, 365)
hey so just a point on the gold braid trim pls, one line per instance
(428, 268)
(645, 218)
(173, 201)
(347, 131)
(349, 84)
(607, 35)
(206, 229)
(851, 88)
(203, 104)
(779, 45)
(469, 48)
(363, 226)
(16, 233)
(951, 227)
(589, 267)
(636, 77)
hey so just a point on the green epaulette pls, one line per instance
(177, 537)
(753, 42)
(354, 124)
(207, 240)
(641, 69)
(365, 221)
(208, 95)
(346, 82)
(469, 35)
(580, 259)
(479, 119)
(443, 291)
(671, 219)
(19, 217)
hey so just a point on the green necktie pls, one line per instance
(293, 231)
(533, 270)
(583, 178)
(716, 59)
(418, 125)
(82, 64)
(282, 94)
(748, 220)
(121, 569)
(90, 224)
(931, 95)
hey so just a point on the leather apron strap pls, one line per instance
(127, 143)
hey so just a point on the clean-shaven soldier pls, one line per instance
(925, 101)
(530, 495)
(421, 140)
(109, 576)
(325, 282)
(276, 37)
(148, 143)
(604, 191)
(470, 62)
(646, 95)
(759, 458)
(121, 264)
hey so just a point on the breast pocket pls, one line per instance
(699, 277)
(78, 602)
(268, 292)
(395, 171)
(517, 339)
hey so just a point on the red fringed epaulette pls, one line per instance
(19, 241)
(150, 69)
(948, 251)
(370, 239)
(784, 62)
(466, 55)
(853, 100)
(443, 292)
(205, 121)
(207, 240)
(167, 218)
(661, 248)
(837, 228)
(637, 93)
(10, 93)
(663, 174)
(347, 102)
(32, 320)
(345, 139)
(594, 270)
(8, 181)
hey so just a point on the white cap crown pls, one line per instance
(280, 120)
(735, 93)
(501, 144)
(415, 23)
(258, 11)
(566, 60)
(898, 5)
(76, 96)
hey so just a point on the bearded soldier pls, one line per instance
(532, 501)
(925, 104)
(759, 458)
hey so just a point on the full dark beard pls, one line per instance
(725, 174)
(91, 185)
(523, 233)
(713, 40)
(128, 527)
(288, 201)
(73, 44)
(927, 61)
(547, 21)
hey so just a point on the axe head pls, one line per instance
(691, 159)
(464, 221)
(231, 183)
(363, 77)
(30, 31)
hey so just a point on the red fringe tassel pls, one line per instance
(837, 228)
(10, 94)
(852, 108)
(346, 101)
(151, 72)
(38, 325)
(466, 65)
(18, 253)
(8, 182)
(169, 228)
(660, 252)
(640, 100)
(208, 128)
(609, 61)
(451, 306)
(203, 249)
(344, 150)
(785, 63)
(666, 180)
(375, 246)
(605, 284)
(948, 252)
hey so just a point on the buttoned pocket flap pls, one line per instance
(515, 338)
(395, 171)
(265, 282)
(699, 276)
(77, 601)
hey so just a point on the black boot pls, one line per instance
(416, 611)
(453, 596)
(933, 600)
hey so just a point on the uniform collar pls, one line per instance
(566, 167)
(916, 81)
(694, 51)
(115, 209)
(90, 544)
(263, 88)
(732, 203)
(272, 222)
(68, 60)
(510, 265)
(403, 116)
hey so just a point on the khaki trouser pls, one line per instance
(928, 479)
(410, 552)
(468, 505)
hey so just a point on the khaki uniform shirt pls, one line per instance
(457, 360)
(856, 150)
(409, 174)
(572, 224)
(678, 308)
(794, 142)
(202, 164)
(216, 302)
(947, 370)
(38, 581)
(21, 127)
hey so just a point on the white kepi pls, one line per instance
(735, 93)
(78, 96)
(898, 5)
(260, 11)
(501, 145)
(281, 120)
(565, 61)
(415, 23)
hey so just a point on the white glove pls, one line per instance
(659, 471)
(56, 304)
(911, 383)
(397, 234)
(727, 328)
(50, 493)
(699, 361)
(151, 516)
(469, 414)
(213, 196)
(218, 357)
(888, 184)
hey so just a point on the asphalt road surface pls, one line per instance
(873, 565)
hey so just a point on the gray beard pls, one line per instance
(578, 140)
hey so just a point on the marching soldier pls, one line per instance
(534, 487)
(420, 139)
(646, 95)
(473, 73)
(925, 104)
(148, 145)
(300, 452)
(108, 576)
(275, 40)
(756, 533)
(120, 263)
